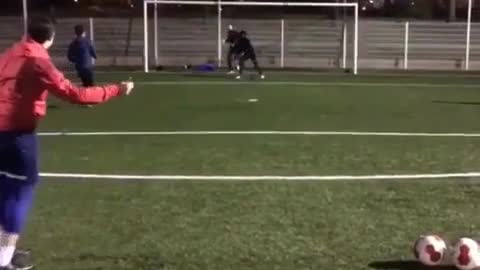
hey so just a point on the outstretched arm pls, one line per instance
(56, 83)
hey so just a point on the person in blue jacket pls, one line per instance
(82, 53)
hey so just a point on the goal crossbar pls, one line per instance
(252, 3)
(219, 4)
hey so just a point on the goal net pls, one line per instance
(293, 35)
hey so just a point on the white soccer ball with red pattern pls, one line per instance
(466, 254)
(430, 250)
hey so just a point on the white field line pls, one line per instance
(305, 72)
(300, 83)
(270, 132)
(262, 177)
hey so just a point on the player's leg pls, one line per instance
(241, 63)
(229, 60)
(15, 209)
(80, 74)
(18, 178)
(253, 57)
(236, 61)
(86, 75)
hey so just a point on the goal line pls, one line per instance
(256, 132)
(263, 177)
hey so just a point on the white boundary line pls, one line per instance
(300, 83)
(262, 177)
(364, 74)
(270, 132)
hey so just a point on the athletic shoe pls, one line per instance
(22, 260)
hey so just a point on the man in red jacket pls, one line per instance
(27, 75)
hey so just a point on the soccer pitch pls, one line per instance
(300, 125)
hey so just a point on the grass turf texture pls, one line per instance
(258, 225)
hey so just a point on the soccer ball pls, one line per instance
(430, 250)
(466, 254)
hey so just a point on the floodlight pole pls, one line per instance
(145, 36)
(25, 16)
(92, 35)
(405, 46)
(467, 47)
(90, 26)
(344, 47)
(219, 33)
(355, 49)
(282, 43)
(155, 33)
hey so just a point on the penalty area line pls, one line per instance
(265, 132)
(262, 177)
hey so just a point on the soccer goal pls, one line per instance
(281, 40)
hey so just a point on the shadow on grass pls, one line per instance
(121, 261)
(406, 265)
(472, 103)
(199, 74)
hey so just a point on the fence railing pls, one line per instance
(281, 43)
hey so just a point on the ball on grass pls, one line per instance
(466, 254)
(430, 250)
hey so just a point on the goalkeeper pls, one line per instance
(244, 49)
(232, 37)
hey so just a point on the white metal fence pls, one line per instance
(282, 43)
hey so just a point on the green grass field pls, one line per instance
(294, 225)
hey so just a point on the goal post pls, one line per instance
(219, 4)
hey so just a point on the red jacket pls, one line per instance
(27, 74)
